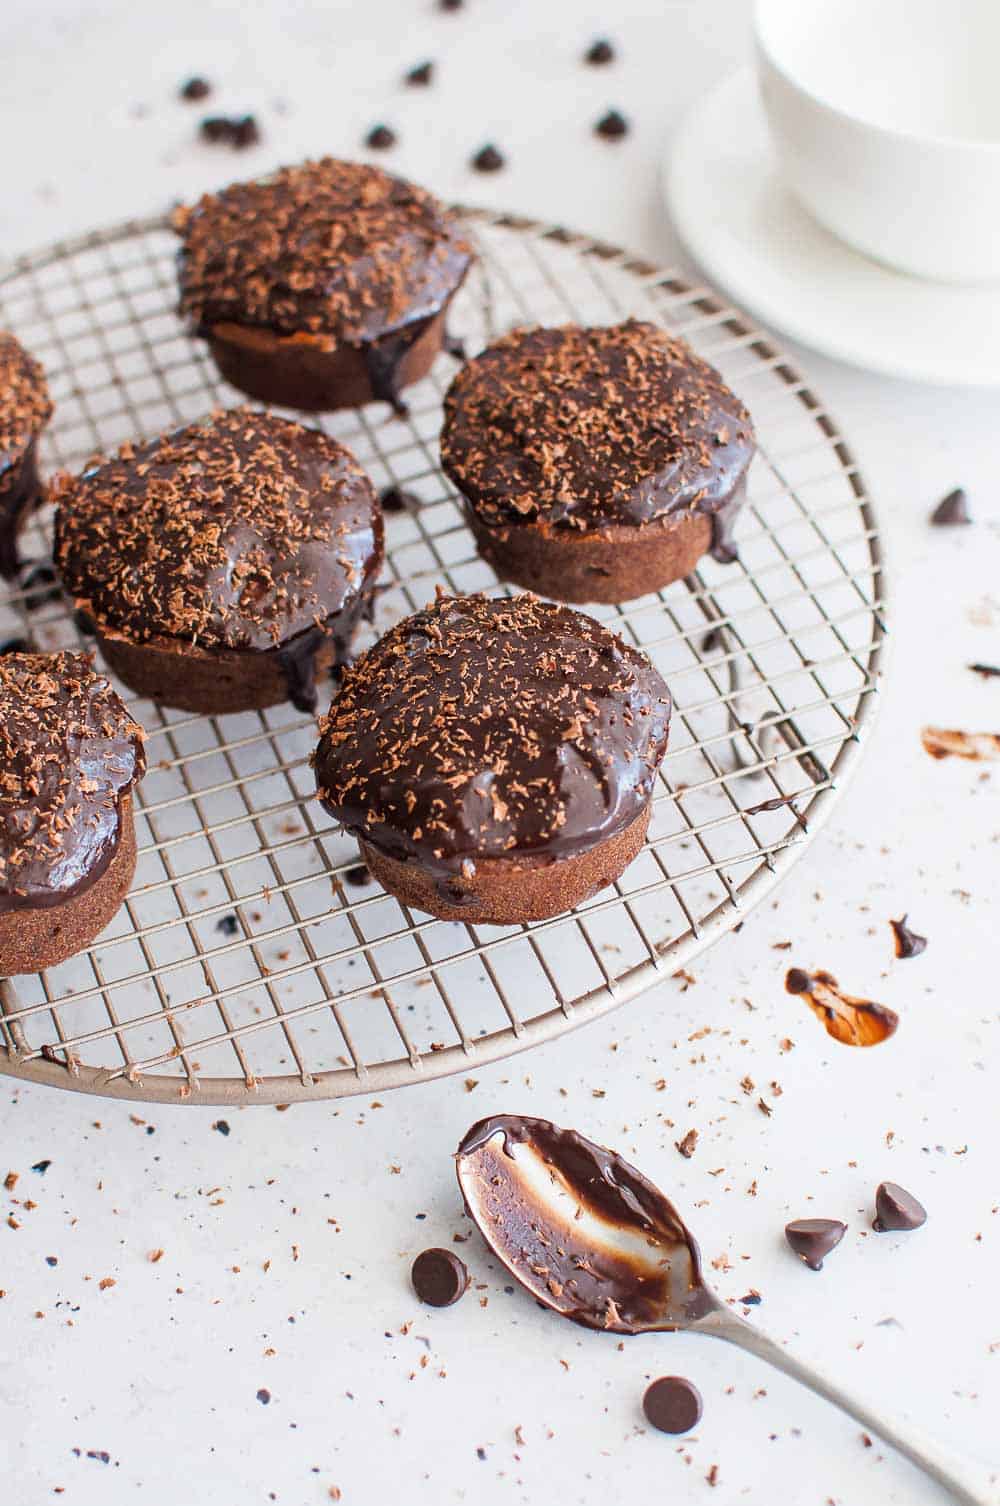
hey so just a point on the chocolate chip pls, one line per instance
(612, 126)
(599, 52)
(420, 76)
(812, 1239)
(439, 1277)
(395, 499)
(15, 646)
(488, 159)
(380, 138)
(988, 671)
(952, 509)
(895, 1208)
(239, 132)
(40, 585)
(908, 943)
(246, 133)
(359, 875)
(227, 924)
(672, 1404)
(216, 128)
(264, 1396)
(196, 88)
(221, 1126)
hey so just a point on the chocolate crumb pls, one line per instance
(358, 876)
(908, 943)
(599, 53)
(612, 126)
(952, 509)
(897, 1209)
(196, 88)
(51, 1260)
(221, 1126)
(812, 1239)
(264, 1396)
(396, 499)
(239, 132)
(41, 1167)
(439, 1277)
(752, 1299)
(450, 4)
(380, 138)
(420, 76)
(228, 925)
(988, 671)
(489, 159)
(672, 1404)
(688, 1144)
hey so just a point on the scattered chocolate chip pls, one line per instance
(196, 88)
(812, 1239)
(359, 875)
(15, 646)
(41, 1167)
(100, 1454)
(264, 1396)
(380, 138)
(221, 1126)
(488, 159)
(396, 499)
(895, 1208)
(239, 132)
(51, 1260)
(988, 671)
(952, 509)
(228, 925)
(40, 585)
(688, 1144)
(612, 126)
(908, 943)
(439, 1277)
(672, 1404)
(420, 76)
(599, 52)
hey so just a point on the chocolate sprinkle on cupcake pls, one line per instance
(612, 126)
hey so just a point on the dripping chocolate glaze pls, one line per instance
(340, 250)
(246, 531)
(586, 428)
(69, 752)
(582, 1229)
(484, 728)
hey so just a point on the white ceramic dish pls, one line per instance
(886, 121)
(741, 224)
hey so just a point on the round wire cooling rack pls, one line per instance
(251, 962)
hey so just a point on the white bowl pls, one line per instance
(885, 116)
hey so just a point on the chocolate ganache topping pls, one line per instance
(241, 532)
(588, 428)
(483, 728)
(69, 752)
(327, 248)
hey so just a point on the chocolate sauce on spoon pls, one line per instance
(592, 1238)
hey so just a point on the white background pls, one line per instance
(161, 1370)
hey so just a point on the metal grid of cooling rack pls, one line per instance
(245, 965)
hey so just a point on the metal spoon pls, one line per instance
(591, 1238)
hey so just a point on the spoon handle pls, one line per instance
(947, 1469)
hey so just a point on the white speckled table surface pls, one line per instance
(274, 1350)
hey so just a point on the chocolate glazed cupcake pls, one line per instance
(596, 464)
(495, 759)
(69, 757)
(25, 409)
(324, 286)
(220, 563)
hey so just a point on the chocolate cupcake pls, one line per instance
(596, 464)
(323, 286)
(221, 563)
(70, 755)
(25, 409)
(495, 758)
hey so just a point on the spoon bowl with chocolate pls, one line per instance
(594, 1240)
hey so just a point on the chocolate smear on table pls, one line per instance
(439, 1277)
(196, 88)
(420, 76)
(952, 509)
(69, 755)
(812, 1239)
(907, 942)
(489, 159)
(942, 742)
(897, 1209)
(580, 1228)
(612, 126)
(672, 1404)
(854, 1022)
(581, 429)
(599, 53)
(988, 671)
(380, 138)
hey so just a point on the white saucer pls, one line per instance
(754, 240)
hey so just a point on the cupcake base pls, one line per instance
(310, 373)
(510, 891)
(44, 935)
